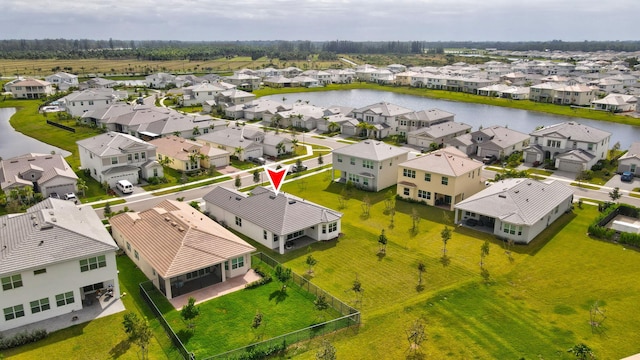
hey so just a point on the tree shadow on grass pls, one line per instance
(120, 349)
(445, 260)
(185, 335)
(381, 255)
(279, 296)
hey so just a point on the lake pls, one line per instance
(13, 143)
(468, 113)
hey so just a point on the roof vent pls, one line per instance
(173, 223)
(291, 201)
(166, 218)
(502, 196)
(180, 228)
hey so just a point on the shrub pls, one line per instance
(22, 338)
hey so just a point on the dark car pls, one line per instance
(471, 222)
(626, 176)
(295, 168)
(258, 160)
(489, 159)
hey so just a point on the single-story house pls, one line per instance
(46, 173)
(630, 161)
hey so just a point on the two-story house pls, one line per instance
(381, 118)
(31, 89)
(369, 165)
(440, 178)
(63, 80)
(46, 173)
(572, 146)
(270, 219)
(187, 155)
(79, 102)
(437, 134)
(112, 156)
(498, 141)
(420, 119)
(244, 81)
(179, 249)
(54, 260)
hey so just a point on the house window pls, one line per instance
(155, 172)
(556, 210)
(93, 263)
(238, 221)
(13, 312)
(39, 305)
(143, 155)
(136, 255)
(368, 118)
(294, 235)
(405, 191)
(129, 157)
(11, 282)
(90, 102)
(128, 246)
(590, 147)
(136, 156)
(424, 194)
(339, 158)
(237, 262)
(333, 227)
(352, 161)
(427, 177)
(65, 299)
(367, 164)
(409, 173)
(324, 228)
(39, 271)
(445, 180)
(114, 160)
(264, 234)
(275, 238)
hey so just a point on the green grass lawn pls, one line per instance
(103, 338)
(535, 306)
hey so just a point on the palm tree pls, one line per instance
(280, 148)
(365, 128)
(196, 131)
(177, 133)
(238, 152)
(82, 186)
(333, 126)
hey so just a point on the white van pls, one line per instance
(125, 186)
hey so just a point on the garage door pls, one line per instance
(531, 157)
(59, 189)
(569, 166)
(219, 161)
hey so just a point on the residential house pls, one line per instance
(278, 82)
(53, 260)
(404, 78)
(276, 145)
(62, 80)
(112, 156)
(381, 119)
(198, 94)
(498, 141)
(79, 102)
(544, 92)
(299, 115)
(272, 220)
(440, 178)
(342, 76)
(630, 161)
(98, 83)
(186, 155)
(370, 165)
(233, 97)
(616, 103)
(516, 209)
(437, 134)
(291, 71)
(414, 120)
(323, 77)
(577, 94)
(333, 123)
(516, 93)
(31, 89)
(236, 142)
(160, 80)
(256, 109)
(46, 173)
(180, 249)
(572, 146)
(243, 81)
(305, 81)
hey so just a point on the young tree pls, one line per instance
(357, 289)
(238, 182)
(382, 240)
(615, 194)
(422, 268)
(484, 251)
(415, 221)
(445, 234)
(107, 210)
(416, 335)
(283, 275)
(257, 320)
(320, 159)
(256, 176)
(311, 261)
(105, 186)
(82, 186)
(366, 206)
(326, 351)
(320, 303)
(189, 312)
(138, 330)
(582, 352)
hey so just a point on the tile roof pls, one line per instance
(51, 165)
(113, 143)
(448, 161)
(384, 109)
(281, 214)
(174, 238)
(634, 152)
(440, 130)
(176, 147)
(52, 231)
(371, 149)
(517, 201)
(574, 131)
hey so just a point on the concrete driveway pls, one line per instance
(616, 182)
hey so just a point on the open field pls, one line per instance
(101, 67)
(535, 306)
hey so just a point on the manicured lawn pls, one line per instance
(225, 323)
(103, 338)
(535, 306)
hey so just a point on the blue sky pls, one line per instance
(358, 20)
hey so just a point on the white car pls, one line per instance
(71, 196)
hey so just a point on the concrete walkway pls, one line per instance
(214, 291)
(105, 307)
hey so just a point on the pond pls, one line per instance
(13, 143)
(472, 114)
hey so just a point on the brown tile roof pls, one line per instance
(175, 238)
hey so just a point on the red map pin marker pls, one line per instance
(276, 177)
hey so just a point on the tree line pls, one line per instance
(153, 50)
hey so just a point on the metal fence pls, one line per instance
(167, 328)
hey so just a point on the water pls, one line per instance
(472, 114)
(13, 143)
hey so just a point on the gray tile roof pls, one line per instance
(441, 130)
(574, 131)
(113, 143)
(634, 152)
(430, 115)
(384, 109)
(282, 214)
(448, 161)
(53, 231)
(517, 201)
(50, 166)
(371, 150)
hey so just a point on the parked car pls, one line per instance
(258, 160)
(471, 222)
(54, 195)
(626, 176)
(295, 168)
(489, 159)
(71, 196)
